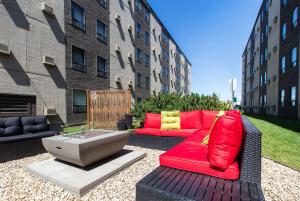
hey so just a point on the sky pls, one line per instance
(213, 35)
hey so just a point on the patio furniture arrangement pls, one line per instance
(228, 168)
(87, 147)
(21, 136)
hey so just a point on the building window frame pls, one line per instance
(294, 18)
(102, 69)
(76, 64)
(79, 105)
(76, 22)
(293, 96)
(283, 65)
(138, 79)
(139, 55)
(101, 36)
(294, 57)
(283, 31)
(103, 3)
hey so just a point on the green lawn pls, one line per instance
(280, 139)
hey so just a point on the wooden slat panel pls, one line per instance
(175, 181)
(168, 181)
(188, 184)
(253, 192)
(164, 177)
(179, 186)
(107, 107)
(244, 191)
(195, 186)
(217, 195)
(153, 174)
(158, 176)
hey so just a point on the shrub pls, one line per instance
(172, 101)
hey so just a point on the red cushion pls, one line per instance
(147, 131)
(152, 121)
(225, 141)
(197, 137)
(193, 157)
(178, 133)
(207, 119)
(190, 120)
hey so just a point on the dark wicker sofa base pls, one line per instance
(154, 142)
(16, 150)
(168, 184)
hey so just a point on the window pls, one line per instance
(282, 98)
(138, 79)
(165, 72)
(295, 17)
(283, 31)
(78, 16)
(147, 16)
(294, 57)
(147, 82)
(282, 65)
(147, 60)
(261, 80)
(78, 59)
(147, 37)
(265, 77)
(101, 67)
(284, 2)
(139, 5)
(262, 37)
(139, 99)
(138, 54)
(261, 58)
(293, 96)
(266, 54)
(165, 38)
(261, 101)
(265, 101)
(101, 31)
(266, 30)
(262, 16)
(79, 101)
(138, 29)
(103, 3)
(267, 6)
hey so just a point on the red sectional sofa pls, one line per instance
(218, 158)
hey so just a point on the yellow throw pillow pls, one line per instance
(170, 120)
(206, 138)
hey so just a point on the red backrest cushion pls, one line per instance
(190, 120)
(225, 141)
(207, 119)
(152, 121)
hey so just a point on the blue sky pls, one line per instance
(213, 35)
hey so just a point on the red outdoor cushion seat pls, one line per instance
(197, 137)
(152, 121)
(178, 133)
(190, 120)
(148, 131)
(225, 140)
(207, 119)
(193, 157)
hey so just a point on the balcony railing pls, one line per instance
(78, 24)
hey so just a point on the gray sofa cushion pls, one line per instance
(10, 126)
(34, 124)
(27, 136)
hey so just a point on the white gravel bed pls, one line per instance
(279, 182)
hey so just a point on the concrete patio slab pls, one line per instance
(81, 180)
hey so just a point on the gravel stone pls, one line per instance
(279, 183)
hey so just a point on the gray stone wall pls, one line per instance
(32, 34)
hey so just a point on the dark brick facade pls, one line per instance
(87, 41)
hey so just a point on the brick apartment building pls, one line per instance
(271, 73)
(51, 51)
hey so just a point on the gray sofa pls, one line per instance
(21, 136)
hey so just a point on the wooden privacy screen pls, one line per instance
(107, 107)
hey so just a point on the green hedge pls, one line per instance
(167, 102)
